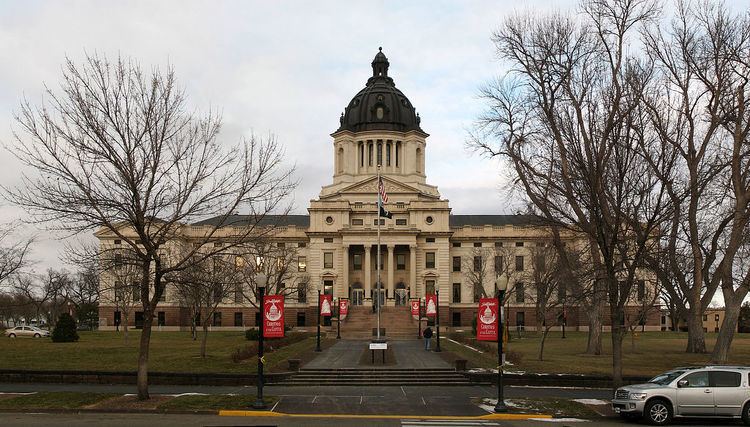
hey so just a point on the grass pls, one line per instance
(553, 406)
(213, 402)
(53, 400)
(654, 352)
(169, 352)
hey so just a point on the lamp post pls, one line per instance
(338, 319)
(317, 347)
(260, 280)
(502, 285)
(419, 318)
(437, 319)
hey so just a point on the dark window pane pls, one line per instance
(725, 379)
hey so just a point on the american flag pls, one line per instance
(381, 190)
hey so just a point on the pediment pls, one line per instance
(370, 186)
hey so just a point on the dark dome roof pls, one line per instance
(380, 105)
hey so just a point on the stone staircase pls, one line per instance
(397, 321)
(377, 376)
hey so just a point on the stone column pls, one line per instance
(391, 285)
(344, 282)
(368, 271)
(413, 272)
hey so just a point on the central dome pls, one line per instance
(380, 105)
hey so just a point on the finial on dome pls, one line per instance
(380, 64)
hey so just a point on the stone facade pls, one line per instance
(424, 249)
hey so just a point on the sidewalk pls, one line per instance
(345, 354)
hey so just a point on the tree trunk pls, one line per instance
(617, 337)
(541, 343)
(193, 329)
(594, 345)
(204, 339)
(726, 333)
(696, 337)
(143, 355)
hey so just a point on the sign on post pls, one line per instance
(430, 305)
(343, 308)
(325, 305)
(273, 316)
(487, 319)
(415, 308)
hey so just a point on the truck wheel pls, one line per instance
(658, 412)
(37, 336)
(746, 414)
(12, 335)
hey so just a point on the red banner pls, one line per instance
(415, 308)
(430, 303)
(343, 307)
(325, 305)
(273, 316)
(487, 319)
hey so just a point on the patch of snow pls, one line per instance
(591, 401)
(188, 394)
(467, 346)
(20, 394)
(558, 388)
(559, 420)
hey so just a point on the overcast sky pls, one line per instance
(282, 67)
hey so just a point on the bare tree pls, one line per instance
(698, 107)
(205, 284)
(645, 301)
(571, 124)
(546, 280)
(117, 150)
(479, 271)
(83, 292)
(278, 261)
(45, 292)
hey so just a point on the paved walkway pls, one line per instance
(409, 354)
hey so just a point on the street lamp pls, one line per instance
(338, 318)
(260, 281)
(437, 319)
(501, 284)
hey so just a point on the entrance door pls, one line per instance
(358, 296)
(139, 320)
(377, 300)
(401, 294)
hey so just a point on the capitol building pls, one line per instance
(424, 248)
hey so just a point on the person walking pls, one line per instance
(427, 334)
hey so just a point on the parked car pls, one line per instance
(26, 331)
(703, 391)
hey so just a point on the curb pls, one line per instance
(234, 413)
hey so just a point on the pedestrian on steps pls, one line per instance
(427, 334)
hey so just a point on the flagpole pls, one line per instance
(377, 263)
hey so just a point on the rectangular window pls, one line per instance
(519, 263)
(302, 244)
(369, 154)
(301, 263)
(327, 259)
(498, 264)
(380, 153)
(280, 244)
(400, 221)
(429, 260)
(238, 318)
(358, 221)
(430, 240)
(520, 320)
(399, 205)
(520, 292)
(498, 244)
(519, 244)
(357, 205)
(456, 319)
(118, 318)
(118, 241)
(400, 262)
(302, 292)
(328, 240)
(456, 244)
(218, 293)
(477, 263)
(238, 297)
(161, 319)
(477, 244)
(300, 318)
(375, 221)
(456, 263)
(388, 154)
(429, 287)
(217, 319)
(705, 317)
(357, 261)
(398, 152)
(457, 292)
(118, 261)
(724, 379)
(641, 290)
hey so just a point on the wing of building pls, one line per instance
(424, 249)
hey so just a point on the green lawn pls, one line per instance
(170, 352)
(654, 352)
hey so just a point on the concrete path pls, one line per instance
(410, 354)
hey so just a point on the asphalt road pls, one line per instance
(179, 420)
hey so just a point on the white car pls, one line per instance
(26, 331)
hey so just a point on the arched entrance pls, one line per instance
(401, 294)
(356, 294)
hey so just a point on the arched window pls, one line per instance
(419, 160)
(361, 154)
(340, 159)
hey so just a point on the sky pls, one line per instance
(286, 68)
